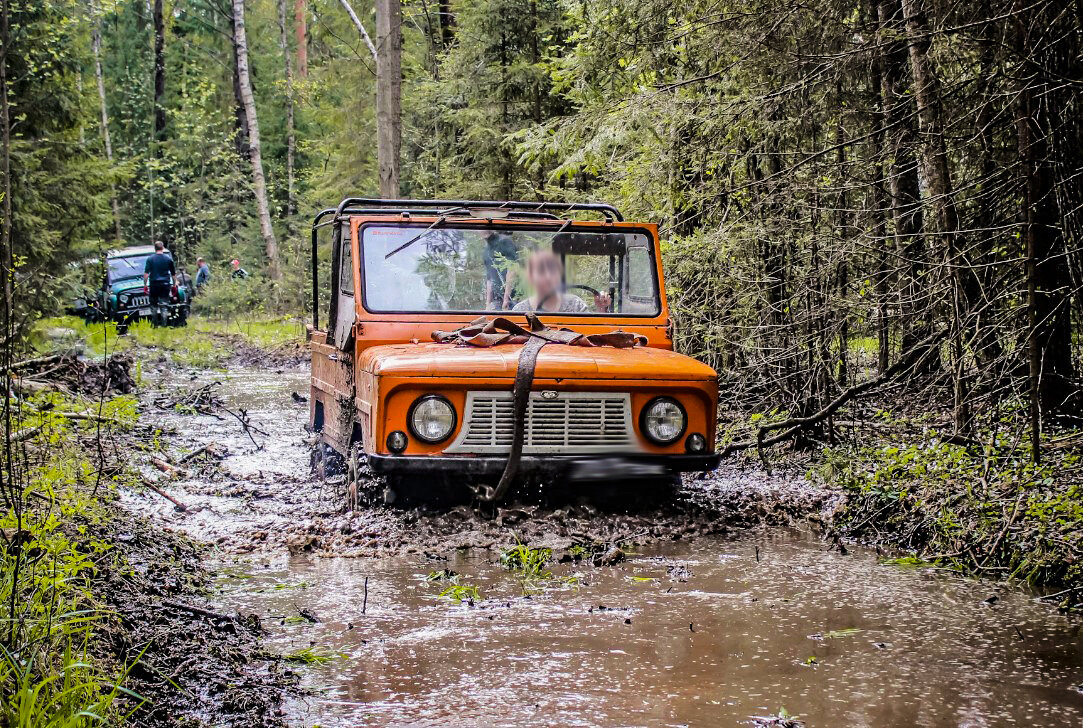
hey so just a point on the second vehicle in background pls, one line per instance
(123, 297)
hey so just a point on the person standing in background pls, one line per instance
(203, 273)
(238, 272)
(158, 273)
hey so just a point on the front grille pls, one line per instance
(556, 422)
(135, 301)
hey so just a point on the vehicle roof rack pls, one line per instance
(516, 207)
(378, 206)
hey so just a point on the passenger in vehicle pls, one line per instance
(545, 273)
(501, 258)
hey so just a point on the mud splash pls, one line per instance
(261, 496)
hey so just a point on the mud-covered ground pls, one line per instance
(254, 490)
(190, 663)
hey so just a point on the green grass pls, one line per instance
(460, 593)
(204, 343)
(313, 656)
(51, 678)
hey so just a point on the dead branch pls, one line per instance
(180, 506)
(912, 359)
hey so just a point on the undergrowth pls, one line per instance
(985, 509)
(202, 344)
(49, 615)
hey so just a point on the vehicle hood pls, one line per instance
(555, 361)
(126, 284)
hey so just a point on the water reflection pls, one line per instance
(636, 645)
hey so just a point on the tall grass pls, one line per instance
(49, 555)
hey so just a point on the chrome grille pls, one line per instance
(135, 301)
(556, 422)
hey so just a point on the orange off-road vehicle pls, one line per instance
(474, 345)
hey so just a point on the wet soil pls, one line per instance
(717, 615)
(191, 662)
(262, 496)
(707, 632)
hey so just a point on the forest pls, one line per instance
(870, 211)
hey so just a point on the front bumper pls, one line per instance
(573, 467)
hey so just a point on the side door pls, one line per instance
(333, 410)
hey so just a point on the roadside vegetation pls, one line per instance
(55, 545)
(207, 343)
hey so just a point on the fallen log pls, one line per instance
(167, 468)
(37, 361)
(210, 448)
(180, 506)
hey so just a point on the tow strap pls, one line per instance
(485, 332)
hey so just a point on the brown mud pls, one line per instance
(192, 663)
(256, 491)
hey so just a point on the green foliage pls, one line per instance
(527, 561)
(460, 593)
(989, 509)
(313, 656)
(49, 676)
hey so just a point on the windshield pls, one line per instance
(130, 267)
(417, 269)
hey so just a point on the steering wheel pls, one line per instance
(592, 291)
(565, 288)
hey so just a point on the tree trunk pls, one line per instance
(1048, 281)
(388, 94)
(259, 182)
(240, 117)
(447, 22)
(300, 27)
(103, 117)
(159, 73)
(291, 136)
(902, 177)
(361, 30)
(941, 192)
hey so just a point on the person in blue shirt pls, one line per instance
(203, 273)
(158, 281)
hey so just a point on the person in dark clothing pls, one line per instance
(158, 281)
(500, 256)
(203, 273)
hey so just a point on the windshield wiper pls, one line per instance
(436, 223)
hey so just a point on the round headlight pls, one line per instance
(663, 420)
(432, 418)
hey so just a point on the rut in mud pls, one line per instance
(690, 624)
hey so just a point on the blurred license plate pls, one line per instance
(608, 468)
(144, 312)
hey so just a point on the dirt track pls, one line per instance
(258, 493)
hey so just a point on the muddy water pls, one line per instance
(688, 633)
(692, 630)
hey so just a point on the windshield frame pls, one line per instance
(109, 268)
(422, 225)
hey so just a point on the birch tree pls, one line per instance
(259, 181)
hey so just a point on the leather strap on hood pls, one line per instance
(485, 332)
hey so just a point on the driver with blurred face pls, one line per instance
(545, 273)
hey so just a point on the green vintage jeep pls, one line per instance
(124, 299)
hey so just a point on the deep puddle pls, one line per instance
(837, 640)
